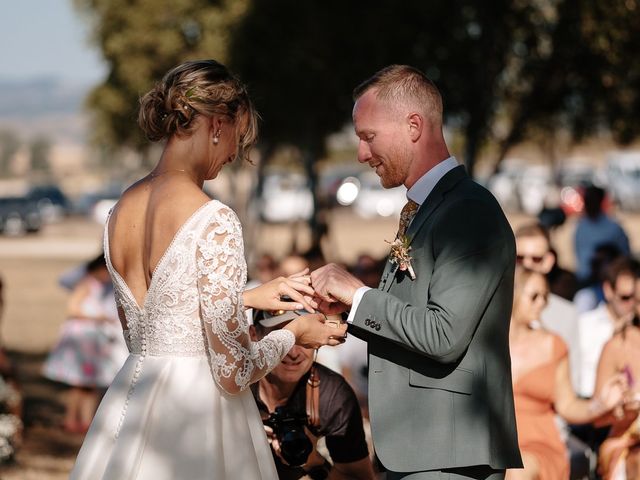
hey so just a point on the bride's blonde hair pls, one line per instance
(201, 87)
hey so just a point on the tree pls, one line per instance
(303, 59)
(534, 67)
(9, 145)
(140, 41)
(300, 72)
(39, 153)
(585, 78)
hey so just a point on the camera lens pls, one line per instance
(295, 447)
(288, 427)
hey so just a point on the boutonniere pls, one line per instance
(400, 254)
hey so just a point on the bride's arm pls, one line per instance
(268, 296)
(236, 361)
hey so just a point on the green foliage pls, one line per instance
(303, 59)
(9, 145)
(39, 153)
(140, 41)
(508, 69)
(585, 77)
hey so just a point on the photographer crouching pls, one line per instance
(301, 401)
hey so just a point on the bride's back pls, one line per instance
(144, 223)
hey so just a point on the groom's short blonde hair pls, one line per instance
(404, 85)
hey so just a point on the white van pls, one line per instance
(623, 175)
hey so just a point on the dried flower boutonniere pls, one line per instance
(400, 254)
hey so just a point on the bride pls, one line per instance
(180, 407)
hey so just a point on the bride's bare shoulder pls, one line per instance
(170, 199)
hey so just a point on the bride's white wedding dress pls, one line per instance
(169, 414)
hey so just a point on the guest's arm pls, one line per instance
(611, 364)
(578, 410)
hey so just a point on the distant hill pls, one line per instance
(40, 96)
(44, 106)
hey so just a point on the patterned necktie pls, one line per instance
(406, 215)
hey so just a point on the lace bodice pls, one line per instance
(193, 305)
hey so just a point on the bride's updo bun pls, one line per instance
(201, 87)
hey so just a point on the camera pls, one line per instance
(288, 427)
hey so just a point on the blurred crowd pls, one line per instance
(575, 348)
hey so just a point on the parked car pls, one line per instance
(19, 215)
(285, 198)
(572, 177)
(374, 200)
(505, 184)
(576, 174)
(535, 186)
(52, 203)
(623, 174)
(96, 204)
(334, 178)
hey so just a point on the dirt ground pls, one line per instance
(35, 309)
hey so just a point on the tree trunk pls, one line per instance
(316, 223)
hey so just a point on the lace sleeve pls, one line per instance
(236, 361)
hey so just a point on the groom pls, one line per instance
(437, 327)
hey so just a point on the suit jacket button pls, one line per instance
(377, 326)
(367, 322)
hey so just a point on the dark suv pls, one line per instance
(52, 203)
(19, 215)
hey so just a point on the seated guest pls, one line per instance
(619, 457)
(534, 252)
(598, 326)
(592, 294)
(541, 385)
(301, 398)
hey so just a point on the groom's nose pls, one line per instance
(364, 152)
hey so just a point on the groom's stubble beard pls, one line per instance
(396, 166)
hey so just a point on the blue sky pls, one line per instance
(46, 38)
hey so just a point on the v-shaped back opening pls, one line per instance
(141, 305)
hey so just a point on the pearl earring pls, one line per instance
(216, 137)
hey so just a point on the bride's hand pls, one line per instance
(311, 331)
(268, 296)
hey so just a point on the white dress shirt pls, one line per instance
(418, 192)
(596, 328)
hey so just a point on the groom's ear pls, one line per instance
(415, 123)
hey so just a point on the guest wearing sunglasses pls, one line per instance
(599, 325)
(541, 385)
(620, 453)
(534, 252)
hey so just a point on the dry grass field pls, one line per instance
(35, 309)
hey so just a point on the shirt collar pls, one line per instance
(420, 190)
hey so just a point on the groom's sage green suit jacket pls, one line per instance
(440, 393)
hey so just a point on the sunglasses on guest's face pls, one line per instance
(625, 297)
(534, 258)
(538, 295)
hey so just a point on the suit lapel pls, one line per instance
(435, 198)
(429, 206)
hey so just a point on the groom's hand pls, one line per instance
(331, 308)
(332, 284)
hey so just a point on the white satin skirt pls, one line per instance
(164, 418)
